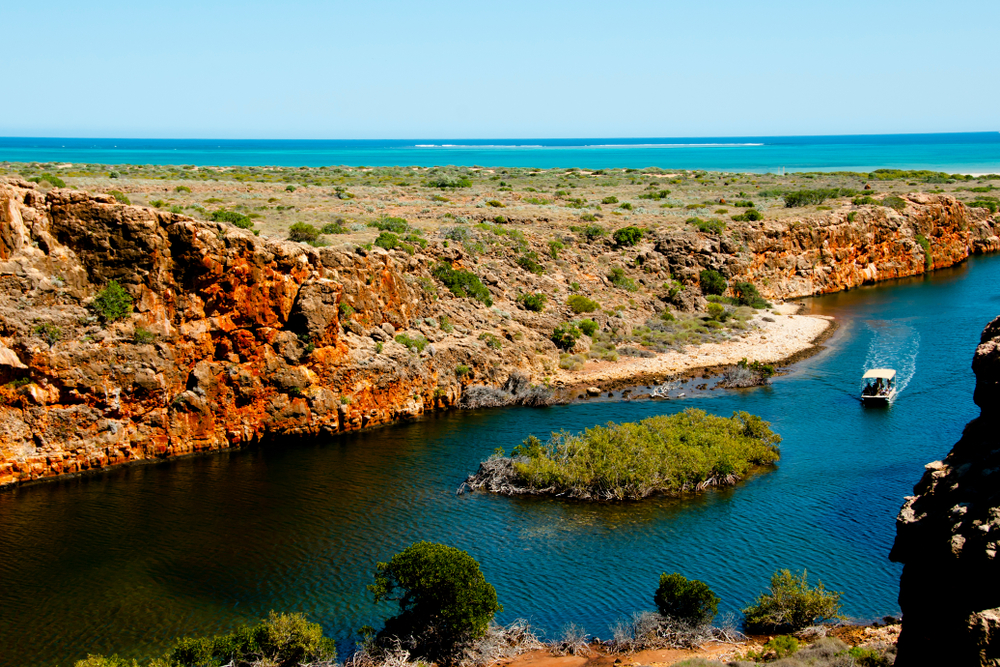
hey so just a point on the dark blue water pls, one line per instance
(977, 152)
(129, 559)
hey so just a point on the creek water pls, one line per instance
(125, 561)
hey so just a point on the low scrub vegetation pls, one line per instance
(790, 604)
(669, 454)
(713, 226)
(112, 303)
(815, 197)
(581, 304)
(462, 283)
(687, 600)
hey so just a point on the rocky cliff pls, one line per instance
(948, 535)
(235, 338)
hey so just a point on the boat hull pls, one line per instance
(878, 400)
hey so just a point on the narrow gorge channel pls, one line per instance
(126, 560)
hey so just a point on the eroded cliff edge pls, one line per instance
(257, 337)
(948, 535)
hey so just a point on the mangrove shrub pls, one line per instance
(443, 598)
(791, 604)
(687, 600)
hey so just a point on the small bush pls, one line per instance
(619, 279)
(571, 362)
(610, 200)
(628, 236)
(533, 302)
(303, 232)
(565, 336)
(529, 262)
(390, 224)
(336, 227)
(717, 312)
(746, 294)
(51, 179)
(50, 332)
(462, 283)
(581, 304)
(417, 343)
(143, 336)
(713, 226)
(926, 245)
(588, 326)
(626, 206)
(457, 234)
(120, 197)
(782, 646)
(864, 200)
(661, 194)
(182, 188)
(554, 248)
(495, 203)
(895, 203)
(712, 282)
(112, 303)
(687, 600)
(752, 215)
(445, 182)
(985, 203)
(593, 232)
(243, 221)
(390, 241)
(492, 341)
(791, 604)
(461, 370)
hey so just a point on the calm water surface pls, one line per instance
(127, 560)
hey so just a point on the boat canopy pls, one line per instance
(884, 373)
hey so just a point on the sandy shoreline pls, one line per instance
(788, 336)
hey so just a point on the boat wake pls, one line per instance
(893, 345)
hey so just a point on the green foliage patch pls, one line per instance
(712, 282)
(462, 283)
(581, 304)
(112, 303)
(664, 454)
(628, 236)
(791, 604)
(713, 226)
(687, 600)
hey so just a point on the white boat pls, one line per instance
(880, 386)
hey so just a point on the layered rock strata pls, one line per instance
(948, 535)
(235, 338)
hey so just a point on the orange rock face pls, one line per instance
(235, 339)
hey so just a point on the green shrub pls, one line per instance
(626, 206)
(895, 203)
(588, 326)
(926, 245)
(712, 282)
(815, 197)
(120, 197)
(390, 241)
(462, 283)
(610, 200)
(662, 454)
(661, 194)
(581, 304)
(746, 294)
(390, 224)
(619, 279)
(864, 200)
(565, 336)
(743, 204)
(290, 188)
(687, 600)
(182, 188)
(781, 646)
(51, 179)
(717, 312)
(628, 236)
(554, 248)
(444, 182)
(50, 332)
(417, 342)
(112, 303)
(461, 370)
(713, 226)
(346, 310)
(869, 657)
(460, 234)
(336, 227)
(533, 302)
(244, 222)
(443, 598)
(529, 262)
(791, 604)
(593, 232)
(751, 215)
(765, 370)
(283, 640)
(303, 231)
(985, 203)
(492, 340)
(495, 203)
(141, 336)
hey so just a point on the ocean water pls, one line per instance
(952, 153)
(127, 560)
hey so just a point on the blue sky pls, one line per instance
(513, 69)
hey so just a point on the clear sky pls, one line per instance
(514, 69)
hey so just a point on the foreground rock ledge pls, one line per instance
(252, 338)
(948, 535)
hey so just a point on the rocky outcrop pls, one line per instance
(843, 249)
(948, 536)
(234, 339)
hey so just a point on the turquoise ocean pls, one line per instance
(965, 153)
